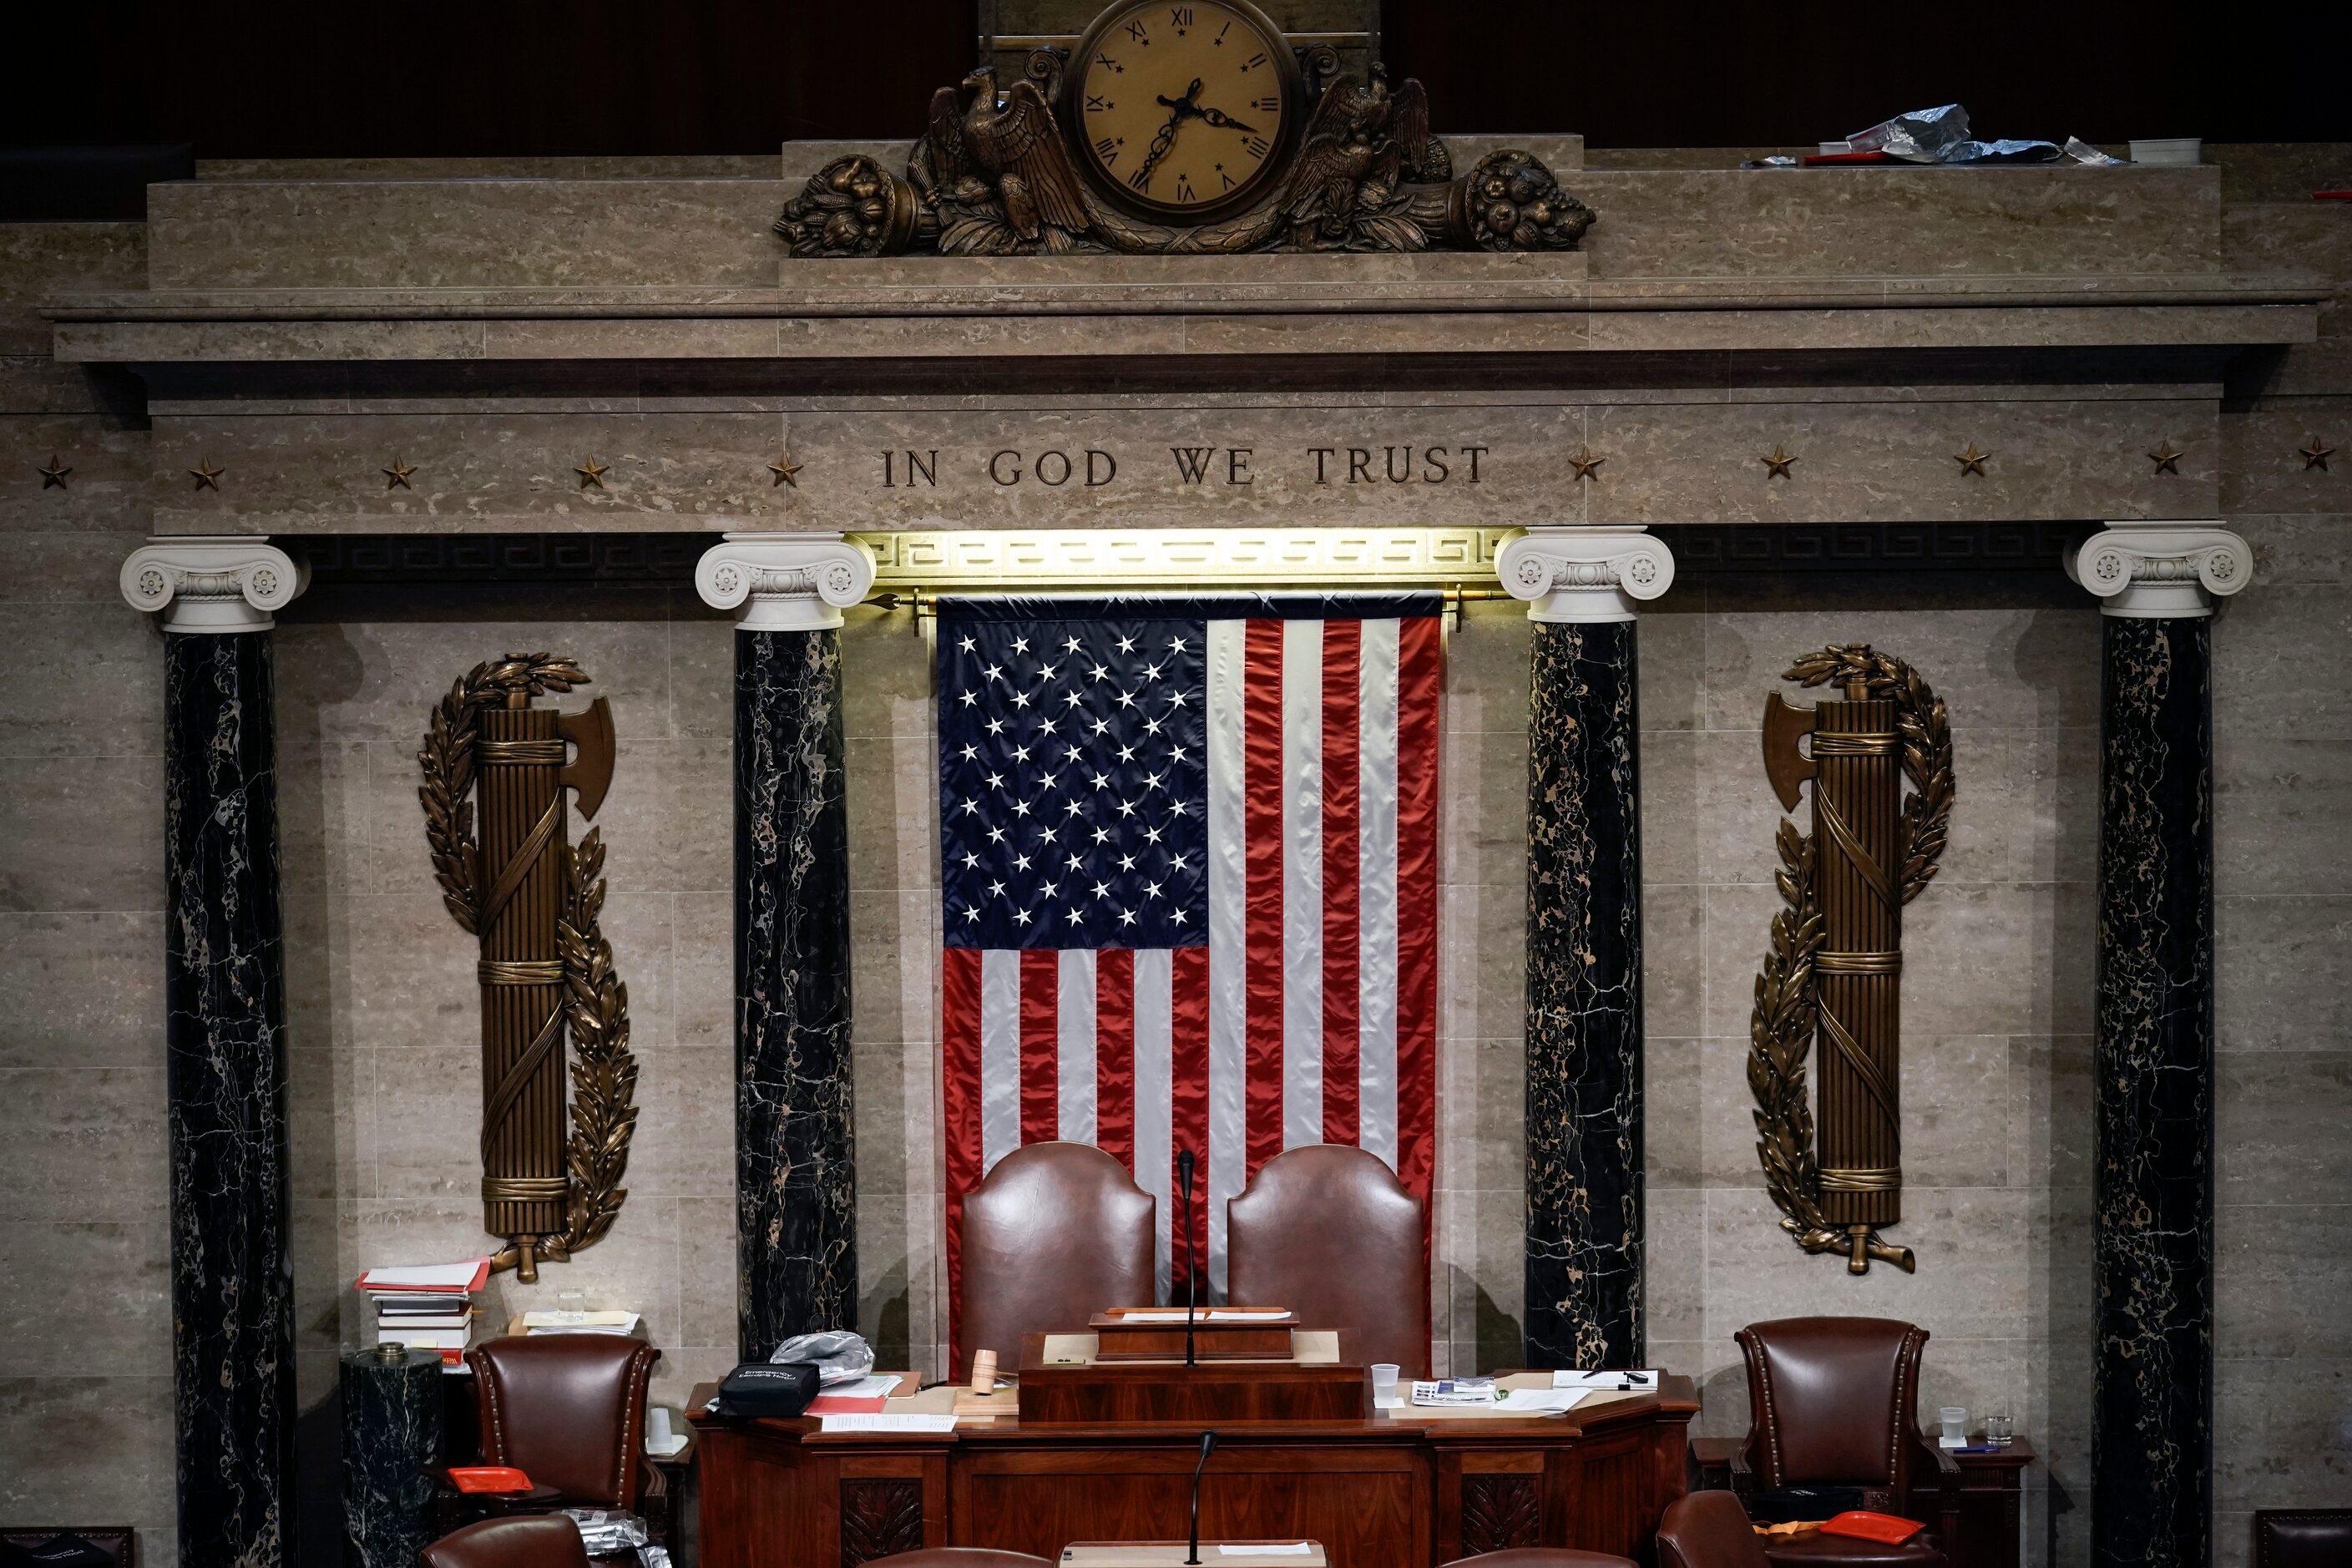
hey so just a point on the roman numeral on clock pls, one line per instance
(1095, 104)
(1254, 61)
(1184, 187)
(1107, 150)
(1139, 179)
(1137, 31)
(1257, 146)
(1269, 103)
(1181, 15)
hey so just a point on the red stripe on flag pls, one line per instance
(1041, 1019)
(958, 1108)
(1418, 682)
(1343, 658)
(1115, 1054)
(1188, 1120)
(1262, 836)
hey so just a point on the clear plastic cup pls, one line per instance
(1384, 1383)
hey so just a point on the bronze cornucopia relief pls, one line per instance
(1835, 961)
(995, 175)
(535, 902)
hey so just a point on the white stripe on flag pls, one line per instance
(1228, 942)
(1074, 1054)
(1376, 860)
(1302, 883)
(1155, 1087)
(999, 1054)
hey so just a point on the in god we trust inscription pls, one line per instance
(1093, 467)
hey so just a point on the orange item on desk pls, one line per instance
(489, 1479)
(845, 1405)
(1880, 1526)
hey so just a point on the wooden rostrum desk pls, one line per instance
(1377, 1489)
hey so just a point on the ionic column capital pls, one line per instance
(213, 583)
(2152, 570)
(1584, 574)
(785, 582)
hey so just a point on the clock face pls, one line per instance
(1181, 111)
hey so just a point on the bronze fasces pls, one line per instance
(497, 770)
(1833, 969)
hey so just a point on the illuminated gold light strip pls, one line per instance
(1066, 559)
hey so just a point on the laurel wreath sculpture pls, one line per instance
(604, 1072)
(1780, 1028)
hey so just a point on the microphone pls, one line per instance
(1191, 1281)
(1208, 1446)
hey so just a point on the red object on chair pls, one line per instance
(489, 1479)
(542, 1540)
(1863, 1525)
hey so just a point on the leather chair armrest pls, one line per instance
(1743, 1480)
(654, 1503)
(1947, 1495)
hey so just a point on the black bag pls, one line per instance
(65, 1551)
(764, 1388)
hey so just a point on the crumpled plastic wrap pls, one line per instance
(840, 1357)
(604, 1531)
(1918, 137)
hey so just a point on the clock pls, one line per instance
(1182, 111)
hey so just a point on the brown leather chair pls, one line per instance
(1708, 1529)
(1833, 1425)
(1542, 1557)
(2303, 1537)
(1328, 1231)
(959, 1557)
(542, 1540)
(569, 1411)
(1053, 1235)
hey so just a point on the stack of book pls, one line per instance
(426, 1306)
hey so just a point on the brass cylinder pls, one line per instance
(1857, 816)
(522, 815)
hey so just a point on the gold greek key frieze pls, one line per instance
(944, 561)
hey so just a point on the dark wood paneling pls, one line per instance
(879, 1517)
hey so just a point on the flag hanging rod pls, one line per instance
(926, 603)
(1108, 561)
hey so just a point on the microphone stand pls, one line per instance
(1192, 1279)
(1208, 1446)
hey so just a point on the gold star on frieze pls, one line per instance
(397, 476)
(207, 474)
(1970, 460)
(2314, 456)
(55, 474)
(786, 471)
(1586, 465)
(2167, 459)
(1776, 463)
(592, 473)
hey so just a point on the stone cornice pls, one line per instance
(2152, 570)
(213, 583)
(1584, 574)
(779, 582)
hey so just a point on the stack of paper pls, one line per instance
(426, 1306)
(556, 1322)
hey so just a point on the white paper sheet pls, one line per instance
(1205, 1315)
(1269, 1549)
(887, 1422)
(1538, 1401)
(873, 1386)
(1613, 1382)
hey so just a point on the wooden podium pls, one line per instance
(1066, 1380)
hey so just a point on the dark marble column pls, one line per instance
(795, 1173)
(391, 1435)
(224, 1049)
(1585, 1233)
(2152, 1249)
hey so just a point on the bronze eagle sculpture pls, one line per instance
(1013, 144)
(1359, 143)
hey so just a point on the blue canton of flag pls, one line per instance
(1074, 783)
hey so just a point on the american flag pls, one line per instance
(1189, 885)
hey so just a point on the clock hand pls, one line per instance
(1223, 122)
(1159, 145)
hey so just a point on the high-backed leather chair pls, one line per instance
(540, 1541)
(1708, 1529)
(1328, 1231)
(1833, 1424)
(569, 1411)
(1053, 1235)
(2303, 1537)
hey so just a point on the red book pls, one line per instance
(489, 1479)
(845, 1405)
(1884, 1528)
